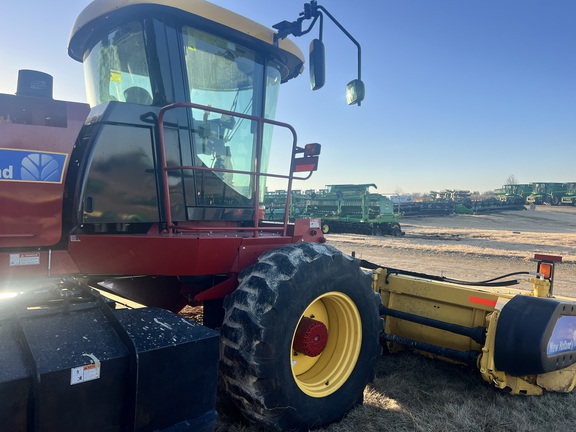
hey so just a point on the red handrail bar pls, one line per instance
(259, 131)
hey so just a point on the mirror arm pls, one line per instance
(312, 10)
(354, 41)
(355, 89)
(311, 25)
(286, 28)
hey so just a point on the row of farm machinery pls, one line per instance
(509, 197)
(546, 193)
(356, 208)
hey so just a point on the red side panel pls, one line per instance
(154, 254)
(253, 247)
(36, 138)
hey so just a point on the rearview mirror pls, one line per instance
(317, 64)
(355, 92)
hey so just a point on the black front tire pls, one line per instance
(259, 364)
(395, 230)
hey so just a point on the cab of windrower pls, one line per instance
(140, 57)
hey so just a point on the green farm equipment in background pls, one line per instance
(514, 193)
(570, 194)
(463, 202)
(347, 208)
(546, 193)
(352, 208)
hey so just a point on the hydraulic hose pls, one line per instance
(485, 283)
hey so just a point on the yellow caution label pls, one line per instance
(116, 76)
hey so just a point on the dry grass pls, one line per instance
(412, 393)
(512, 234)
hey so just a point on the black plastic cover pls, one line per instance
(535, 335)
(72, 372)
(34, 83)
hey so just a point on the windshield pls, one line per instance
(116, 68)
(222, 74)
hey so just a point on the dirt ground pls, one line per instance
(476, 247)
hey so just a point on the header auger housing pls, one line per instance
(520, 341)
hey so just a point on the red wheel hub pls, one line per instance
(311, 337)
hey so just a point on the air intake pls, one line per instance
(34, 83)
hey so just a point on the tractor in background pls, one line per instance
(546, 193)
(514, 193)
(570, 197)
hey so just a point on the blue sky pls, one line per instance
(460, 94)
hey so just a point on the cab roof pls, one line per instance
(99, 10)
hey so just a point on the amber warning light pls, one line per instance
(546, 264)
(545, 267)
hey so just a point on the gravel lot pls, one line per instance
(476, 247)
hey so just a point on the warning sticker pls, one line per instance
(314, 223)
(85, 373)
(24, 259)
(115, 76)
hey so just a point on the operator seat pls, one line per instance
(137, 95)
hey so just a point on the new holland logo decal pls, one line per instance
(31, 166)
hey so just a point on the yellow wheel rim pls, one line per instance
(325, 228)
(322, 375)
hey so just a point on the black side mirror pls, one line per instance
(355, 92)
(317, 64)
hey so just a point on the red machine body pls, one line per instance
(37, 140)
(153, 191)
(33, 128)
(37, 136)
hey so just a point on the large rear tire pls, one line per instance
(300, 337)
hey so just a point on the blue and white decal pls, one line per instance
(30, 166)
(563, 336)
